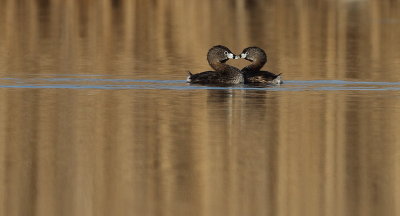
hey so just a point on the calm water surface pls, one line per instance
(96, 117)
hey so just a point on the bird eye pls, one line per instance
(226, 52)
(247, 53)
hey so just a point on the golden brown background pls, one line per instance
(199, 151)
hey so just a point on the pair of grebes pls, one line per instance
(228, 75)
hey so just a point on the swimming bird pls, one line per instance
(223, 74)
(252, 72)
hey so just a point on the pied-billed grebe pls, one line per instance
(252, 73)
(223, 74)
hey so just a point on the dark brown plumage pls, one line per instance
(252, 73)
(223, 74)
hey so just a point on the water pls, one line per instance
(118, 82)
(96, 117)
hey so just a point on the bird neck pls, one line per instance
(255, 65)
(218, 66)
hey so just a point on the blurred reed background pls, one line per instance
(356, 39)
(199, 152)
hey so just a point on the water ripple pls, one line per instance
(66, 81)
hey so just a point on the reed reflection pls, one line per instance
(198, 151)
